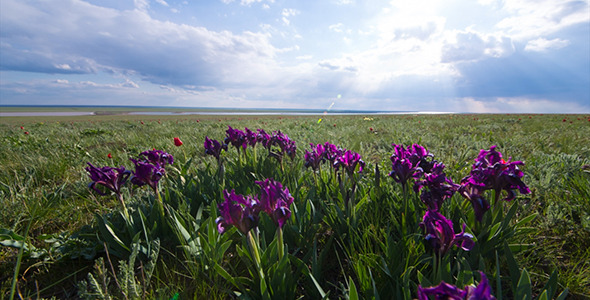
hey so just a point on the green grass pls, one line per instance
(43, 183)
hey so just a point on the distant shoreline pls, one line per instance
(58, 110)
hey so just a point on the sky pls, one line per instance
(481, 56)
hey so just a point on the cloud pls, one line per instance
(515, 105)
(471, 46)
(287, 13)
(162, 2)
(534, 18)
(77, 37)
(542, 44)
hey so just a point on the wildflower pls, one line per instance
(109, 155)
(448, 291)
(151, 169)
(275, 201)
(26, 132)
(239, 211)
(473, 193)
(285, 144)
(214, 147)
(408, 163)
(491, 172)
(22, 128)
(147, 173)
(157, 157)
(439, 187)
(314, 158)
(440, 234)
(251, 137)
(177, 142)
(263, 138)
(235, 137)
(111, 178)
(332, 152)
(349, 160)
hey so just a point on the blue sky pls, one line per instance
(491, 56)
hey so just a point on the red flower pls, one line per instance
(26, 132)
(177, 142)
(141, 122)
(22, 127)
(371, 128)
(109, 156)
(564, 120)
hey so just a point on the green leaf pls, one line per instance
(563, 294)
(352, 293)
(543, 296)
(551, 285)
(494, 231)
(524, 289)
(526, 220)
(513, 268)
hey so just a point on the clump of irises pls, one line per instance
(491, 172)
(448, 291)
(337, 157)
(149, 169)
(278, 144)
(416, 163)
(440, 234)
(243, 212)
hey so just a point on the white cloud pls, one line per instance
(534, 18)
(162, 2)
(472, 46)
(81, 38)
(542, 44)
(287, 13)
(337, 27)
(515, 105)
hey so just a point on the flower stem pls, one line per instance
(120, 197)
(281, 246)
(255, 253)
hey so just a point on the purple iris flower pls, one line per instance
(448, 291)
(236, 138)
(263, 138)
(284, 143)
(314, 158)
(239, 211)
(157, 157)
(440, 234)
(349, 160)
(497, 174)
(491, 172)
(111, 178)
(474, 193)
(420, 157)
(147, 173)
(332, 152)
(275, 201)
(214, 147)
(439, 187)
(251, 137)
(407, 163)
(482, 291)
(151, 169)
(443, 291)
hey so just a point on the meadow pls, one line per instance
(346, 232)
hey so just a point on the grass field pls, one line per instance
(349, 235)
